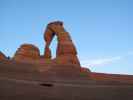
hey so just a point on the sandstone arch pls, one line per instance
(66, 51)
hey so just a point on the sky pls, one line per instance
(101, 29)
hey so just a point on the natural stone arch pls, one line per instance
(66, 52)
(53, 46)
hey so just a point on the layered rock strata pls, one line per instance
(27, 52)
(66, 52)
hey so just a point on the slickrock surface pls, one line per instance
(19, 81)
(112, 77)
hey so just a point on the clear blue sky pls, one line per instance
(102, 30)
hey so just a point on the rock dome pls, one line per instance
(27, 52)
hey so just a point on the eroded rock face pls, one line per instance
(83, 69)
(27, 52)
(2, 56)
(66, 52)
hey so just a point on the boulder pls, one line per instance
(27, 52)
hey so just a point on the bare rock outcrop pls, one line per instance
(2, 56)
(66, 51)
(27, 52)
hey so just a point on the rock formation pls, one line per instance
(2, 56)
(85, 72)
(66, 52)
(27, 52)
(65, 64)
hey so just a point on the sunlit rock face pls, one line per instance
(66, 62)
(84, 70)
(66, 52)
(27, 52)
(2, 56)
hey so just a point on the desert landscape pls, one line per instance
(24, 82)
(31, 76)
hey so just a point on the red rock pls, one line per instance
(2, 56)
(48, 38)
(27, 52)
(82, 69)
(112, 77)
(66, 51)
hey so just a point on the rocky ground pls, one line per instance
(25, 82)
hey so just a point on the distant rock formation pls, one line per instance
(66, 62)
(66, 52)
(84, 70)
(27, 52)
(2, 56)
